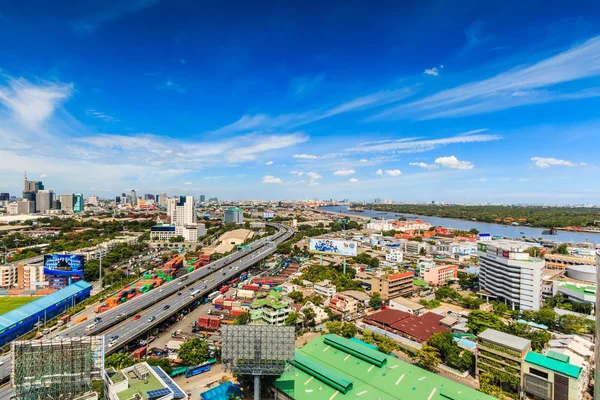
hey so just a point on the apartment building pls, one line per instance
(29, 275)
(395, 256)
(271, 310)
(552, 376)
(414, 247)
(8, 276)
(423, 264)
(509, 274)
(391, 286)
(440, 275)
(500, 353)
(406, 305)
(377, 225)
(325, 288)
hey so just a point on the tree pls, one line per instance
(98, 387)
(160, 362)
(571, 324)
(374, 262)
(473, 231)
(284, 248)
(119, 361)
(309, 316)
(562, 248)
(375, 300)
(422, 251)
(291, 319)
(481, 320)
(242, 319)
(334, 327)
(297, 296)
(348, 330)
(486, 385)
(546, 316)
(194, 352)
(428, 357)
(500, 308)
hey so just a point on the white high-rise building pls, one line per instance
(508, 273)
(182, 211)
(66, 202)
(12, 209)
(25, 207)
(93, 200)
(163, 199)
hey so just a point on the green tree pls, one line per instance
(309, 316)
(119, 361)
(422, 251)
(486, 385)
(242, 319)
(428, 357)
(546, 316)
(348, 330)
(163, 363)
(500, 308)
(297, 296)
(374, 262)
(481, 320)
(375, 300)
(291, 319)
(284, 248)
(334, 327)
(194, 352)
(562, 248)
(571, 324)
(98, 387)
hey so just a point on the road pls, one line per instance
(122, 316)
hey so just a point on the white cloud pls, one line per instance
(99, 115)
(297, 173)
(545, 162)
(187, 183)
(106, 12)
(518, 86)
(344, 172)
(313, 183)
(271, 179)
(32, 104)
(393, 172)
(353, 180)
(305, 156)
(304, 85)
(417, 145)
(453, 162)
(313, 175)
(432, 71)
(379, 172)
(269, 163)
(424, 165)
(363, 160)
(43, 176)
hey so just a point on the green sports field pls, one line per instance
(9, 303)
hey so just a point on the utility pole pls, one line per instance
(100, 271)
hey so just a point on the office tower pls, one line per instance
(4, 196)
(510, 274)
(133, 196)
(43, 200)
(181, 210)
(148, 196)
(77, 203)
(66, 202)
(202, 198)
(25, 207)
(93, 200)
(162, 199)
(123, 195)
(234, 215)
(118, 199)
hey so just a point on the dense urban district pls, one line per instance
(174, 297)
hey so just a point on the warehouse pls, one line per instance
(18, 322)
(331, 367)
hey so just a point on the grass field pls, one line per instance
(9, 303)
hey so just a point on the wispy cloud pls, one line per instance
(417, 145)
(313, 175)
(432, 71)
(379, 172)
(109, 11)
(297, 173)
(170, 85)
(100, 115)
(269, 163)
(453, 162)
(353, 180)
(271, 179)
(424, 165)
(474, 34)
(305, 156)
(393, 172)
(344, 172)
(302, 86)
(545, 162)
(519, 86)
(42, 176)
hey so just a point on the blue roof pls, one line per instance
(221, 392)
(39, 305)
(532, 324)
(177, 393)
(484, 235)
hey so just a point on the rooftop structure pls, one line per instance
(333, 367)
(19, 321)
(417, 328)
(270, 310)
(551, 376)
(402, 304)
(141, 382)
(391, 286)
(511, 342)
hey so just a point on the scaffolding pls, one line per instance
(60, 368)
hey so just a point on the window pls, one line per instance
(539, 373)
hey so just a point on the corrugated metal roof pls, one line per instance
(504, 339)
(553, 364)
(21, 313)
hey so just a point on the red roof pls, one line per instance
(387, 317)
(417, 328)
(402, 275)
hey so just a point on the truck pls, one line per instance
(194, 293)
(80, 319)
(64, 319)
(224, 289)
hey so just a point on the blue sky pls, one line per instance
(410, 101)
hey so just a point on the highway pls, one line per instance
(121, 317)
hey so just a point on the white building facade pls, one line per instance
(395, 256)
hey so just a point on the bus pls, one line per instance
(213, 295)
(193, 371)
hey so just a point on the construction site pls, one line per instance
(55, 368)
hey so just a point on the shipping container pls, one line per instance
(80, 319)
(139, 353)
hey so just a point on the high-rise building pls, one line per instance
(181, 210)
(162, 199)
(78, 203)
(509, 274)
(202, 198)
(25, 207)
(234, 215)
(43, 200)
(148, 196)
(12, 209)
(29, 276)
(133, 196)
(4, 196)
(390, 286)
(66, 202)
(93, 200)
(118, 199)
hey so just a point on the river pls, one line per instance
(483, 227)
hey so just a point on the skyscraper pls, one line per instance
(181, 210)
(133, 196)
(162, 199)
(4, 196)
(78, 202)
(202, 198)
(66, 202)
(43, 200)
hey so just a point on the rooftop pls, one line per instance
(139, 386)
(341, 369)
(420, 328)
(407, 303)
(39, 305)
(505, 340)
(360, 296)
(554, 362)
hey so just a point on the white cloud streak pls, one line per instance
(393, 172)
(269, 163)
(424, 165)
(353, 180)
(271, 179)
(453, 162)
(344, 172)
(313, 175)
(100, 115)
(305, 156)
(545, 162)
(432, 71)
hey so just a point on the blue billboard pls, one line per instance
(63, 264)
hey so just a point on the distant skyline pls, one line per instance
(409, 101)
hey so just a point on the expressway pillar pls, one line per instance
(256, 387)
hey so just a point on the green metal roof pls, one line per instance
(372, 356)
(553, 364)
(418, 282)
(395, 380)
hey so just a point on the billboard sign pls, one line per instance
(63, 264)
(332, 246)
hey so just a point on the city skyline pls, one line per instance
(419, 102)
